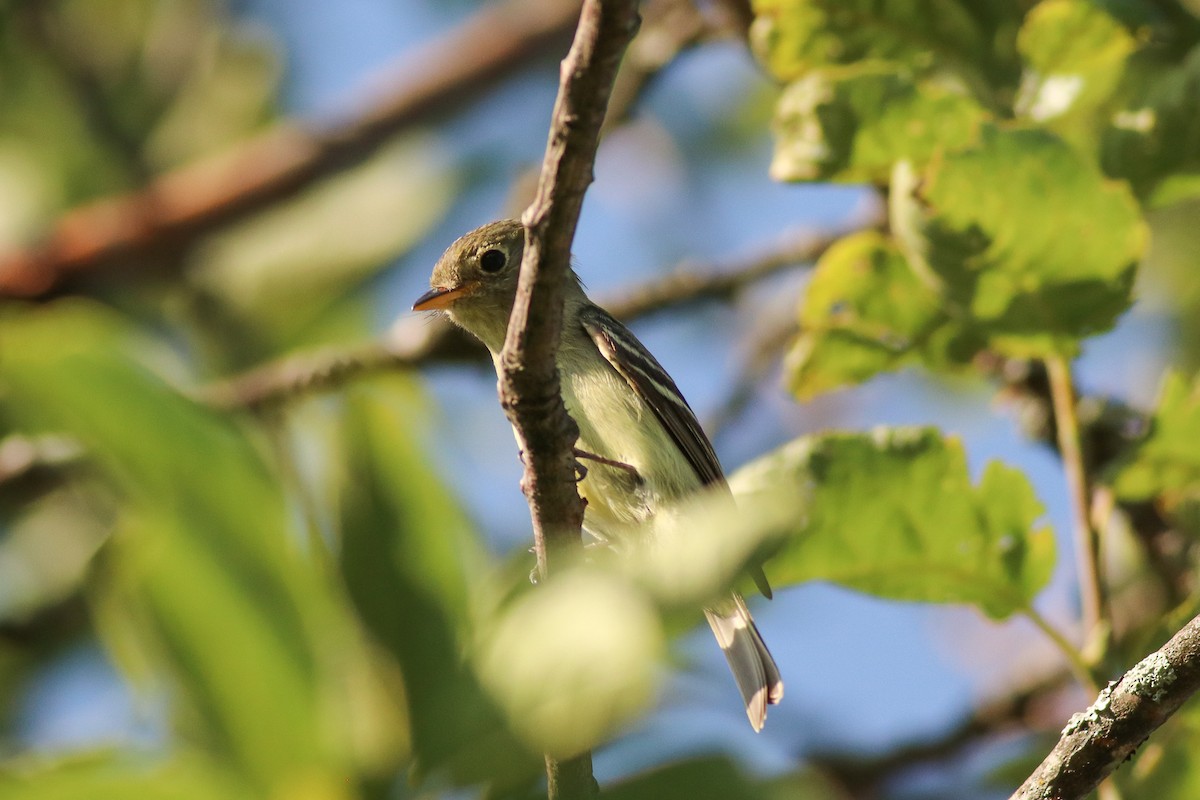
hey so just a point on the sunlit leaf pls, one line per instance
(1156, 138)
(1026, 239)
(866, 311)
(793, 36)
(893, 513)
(202, 554)
(1167, 461)
(1074, 54)
(852, 123)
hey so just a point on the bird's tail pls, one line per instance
(751, 663)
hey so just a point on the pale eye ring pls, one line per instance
(492, 260)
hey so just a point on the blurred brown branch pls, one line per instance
(1097, 741)
(174, 210)
(1026, 708)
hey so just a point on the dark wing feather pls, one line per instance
(650, 381)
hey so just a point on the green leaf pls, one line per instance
(573, 660)
(893, 513)
(971, 42)
(1026, 239)
(106, 776)
(866, 311)
(203, 565)
(853, 123)
(794, 36)
(409, 560)
(1166, 462)
(1157, 136)
(283, 271)
(1075, 56)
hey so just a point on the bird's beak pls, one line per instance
(438, 297)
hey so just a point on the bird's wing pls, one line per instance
(652, 383)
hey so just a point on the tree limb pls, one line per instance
(170, 214)
(411, 345)
(1022, 708)
(529, 381)
(1096, 741)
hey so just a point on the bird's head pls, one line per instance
(475, 280)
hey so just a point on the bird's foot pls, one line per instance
(608, 462)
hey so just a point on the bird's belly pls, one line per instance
(652, 472)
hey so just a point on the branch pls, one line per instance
(1023, 708)
(170, 214)
(1096, 741)
(1097, 623)
(411, 345)
(529, 380)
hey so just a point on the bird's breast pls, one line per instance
(614, 424)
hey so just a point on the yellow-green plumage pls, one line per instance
(628, 411)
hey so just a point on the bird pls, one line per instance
(646, 448)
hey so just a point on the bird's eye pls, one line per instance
(492, 261)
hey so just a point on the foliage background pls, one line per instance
(277, 602)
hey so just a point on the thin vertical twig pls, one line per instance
(529, 381)
(1087, 538)
(1079, 667)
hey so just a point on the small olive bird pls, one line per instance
(646, 448)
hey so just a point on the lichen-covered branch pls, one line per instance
(1098, 740)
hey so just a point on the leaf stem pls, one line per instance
(1080, 667)
(1093, 598)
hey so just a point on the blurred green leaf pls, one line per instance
(1025, 238)
(852, 123)
(1156, 138)
(108, 776)
(866, 311)
(225, 83)
(893, 513)
(283, 270)
(1075, 56)
(573, 660)
(1166, 462)
(97, 93)
(203, 555)
(794, 36)
(409, 558)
